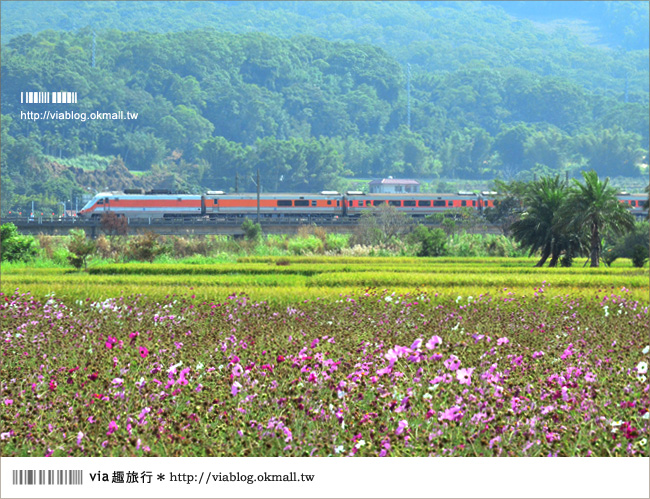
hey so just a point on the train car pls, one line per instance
(327, 204)
(135, 203)
(417, 205)
(635, 202)
(155, 204)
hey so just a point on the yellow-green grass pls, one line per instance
(302, 278)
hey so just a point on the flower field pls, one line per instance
(316, 358)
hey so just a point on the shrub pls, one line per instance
(145, 247)
(304, 245)
(252, 231)
(16, 247)
(80, 248)
(336, 242)
(639, 255)
(432, 242)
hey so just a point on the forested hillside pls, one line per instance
(490, 97)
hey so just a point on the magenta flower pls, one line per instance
(401, 426)
(537, 354)
(181, 379)
(452, 414)
(80, 435)
(8, 401)
(452, 363)
(590, 377)
(435, 340)
(503, 341)
(465, 375)
(110, 342)
(143, 352)
(112, 426)
(416, 344)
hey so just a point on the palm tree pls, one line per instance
(593, 206)
(536, 229)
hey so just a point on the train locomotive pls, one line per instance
(218, 205)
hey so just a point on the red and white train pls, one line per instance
(135, 203)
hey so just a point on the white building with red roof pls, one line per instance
(392, 185)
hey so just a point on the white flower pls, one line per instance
(427, 396)
(642, 367)
(360, 443)
(646, 416)
(388, 298)
(646, 350)
(339, 449)
(458, 299)
(641, 378)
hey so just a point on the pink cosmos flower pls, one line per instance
(80, 435)
(112, 426)
(401, 426)
(181, 379)
(452, 363)
(9, 401)
(143, 352)
(465, 375)
(435, 340)
(452, 414)
(416, 344)
(537, 354)
(110, 342)
(590, 377)
(503, 341)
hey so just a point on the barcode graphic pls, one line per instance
(48, 97)
(48, 477)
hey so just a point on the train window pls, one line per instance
(106, 200)
(100, 201)
(338, 202)
(313, 203)
(424, 203)
(215, 201)
(395, 203)
(409, 203)
(463, 203)
(301, 202)
(440, 203)
(329, 202)
(377, 202)
(473, 203)
(284, 202)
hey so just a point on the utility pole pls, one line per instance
(408, 96)
(236, 182)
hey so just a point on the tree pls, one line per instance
(382, 225)
(537, 228)
(80, 247)
(433, 242)
(252, 231)
(112, 224)
(593, 206)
